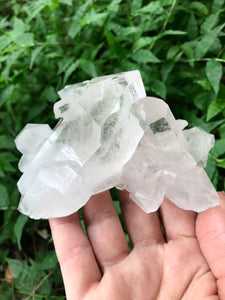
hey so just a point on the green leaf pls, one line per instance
(172, 32)
(222, 131)
(83, 226)
(217, 5)
(145, 41)
(124, 32)
(114, 6)
(19, 26)
(111, 40)
(18, 228)
(40, 26)
(210, 167)
(128, 65)
(9, 156)
(92, 17)
(114, 194)
(144, 56)
(159, 88)
(212, 125)
(192, 27)
(188, 52)
(202, 100)
(7, 228)
(196, 121)
(51, 39)
(142, 42)
(216, 46)
(25, 39)
(34, 7)
(49, 261)
(7, 166)
(214, 71)
(215, 108)
(35, 111)
(135, 5)
(167, 67)
(198, 7)
(70, 70)
(34, 55)
(88, 67)
(26, 276)
(91, 52)
(209, 23)
(6, 292)
(49, 94)
(5, 40)
(75, 27)
(117, 206)
(204, 83)
(64, 64)
(219, 148)
(67, 2)
(3, 255)
(154, 8)
(5, 94)
(10, 61)
(6, 142)
(45, 288)
(4, 22)
(221, 163)
(173, 51)
(207, 40)
(2, 174)
(166, 2)
(215, 178)
(4, 197)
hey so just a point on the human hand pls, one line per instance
(190, 265)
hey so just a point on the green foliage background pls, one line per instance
(178, 46)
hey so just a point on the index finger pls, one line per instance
(76, 258)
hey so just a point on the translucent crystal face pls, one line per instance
(111, 134)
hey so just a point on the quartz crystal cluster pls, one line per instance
(111, 135)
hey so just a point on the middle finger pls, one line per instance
(143, 229)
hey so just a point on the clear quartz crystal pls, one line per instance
(111, 134)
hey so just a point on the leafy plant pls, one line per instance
(178, 46)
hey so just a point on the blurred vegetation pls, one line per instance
(178, 46)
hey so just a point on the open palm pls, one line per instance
(189, 265)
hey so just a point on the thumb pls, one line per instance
(210, 231)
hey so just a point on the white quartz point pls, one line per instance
(37, 133)
(199, 144)
(29, 140)
(110, 134)
(164, 163)
(56, 190)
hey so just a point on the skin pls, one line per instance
(190, 264)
